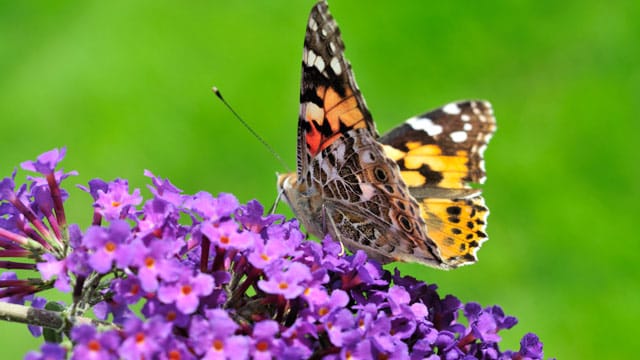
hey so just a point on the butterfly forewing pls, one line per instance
(330, 101)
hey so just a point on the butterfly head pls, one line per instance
(305, 203)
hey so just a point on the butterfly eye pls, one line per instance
(405, 223)
(381, 174)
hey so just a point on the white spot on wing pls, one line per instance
(327, 168)
(340, 150)
(320, 63)
(481, 149)
(458, 136)
(488, 106)
(368, 191)
(467, 127)
(465, 117)
(366, 157)
(332, 47)
(425, 124)
(335, 65)
(313, 25)
(452, 109)
(310, 58)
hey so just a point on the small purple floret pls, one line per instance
(47, 162)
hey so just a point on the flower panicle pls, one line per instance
(217, 278)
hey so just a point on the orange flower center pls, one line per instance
(218, 344)
(186, 290)
(283, 286)
(262, 346)
(135, 289)
(139, 337)
(174, 355)
(94, 345)
(110, 246)
(225, 240)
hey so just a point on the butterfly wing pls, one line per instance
(440, 155)
(330, 102)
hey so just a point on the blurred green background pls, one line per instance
(126, 87)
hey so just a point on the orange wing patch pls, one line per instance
(426, 165)
(457, 226)
(338, 114)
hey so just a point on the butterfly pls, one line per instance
(404, 196)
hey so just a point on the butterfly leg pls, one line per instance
(272, 209)
(329, 227)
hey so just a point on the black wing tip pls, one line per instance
(321, 7)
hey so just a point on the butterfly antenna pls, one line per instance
(253, 132)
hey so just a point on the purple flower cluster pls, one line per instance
(217, 279)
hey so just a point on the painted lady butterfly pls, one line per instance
(405, 196)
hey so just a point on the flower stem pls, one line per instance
(205, 246)
(41, 229)
(16, 265)
(57, 203)
(45, 318)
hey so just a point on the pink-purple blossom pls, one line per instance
(220, 279)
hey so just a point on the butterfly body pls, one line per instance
(405, 196)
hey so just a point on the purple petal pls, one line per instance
(46, 162)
